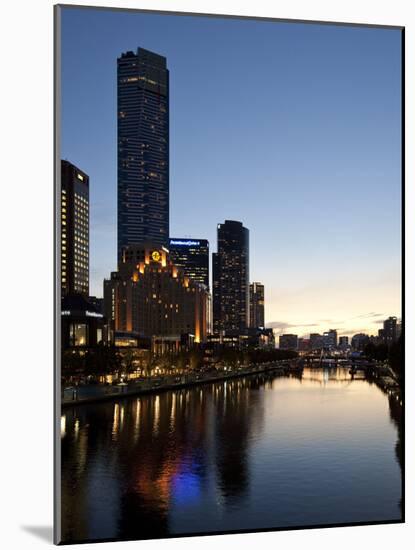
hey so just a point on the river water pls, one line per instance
(252, 453)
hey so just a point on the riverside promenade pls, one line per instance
(89, 394)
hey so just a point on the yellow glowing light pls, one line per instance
(155, 255)
(63, 426)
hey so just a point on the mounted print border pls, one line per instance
(229, 274)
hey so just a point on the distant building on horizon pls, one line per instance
(304, 344)
(343, 342)
(256, 305)
(231, 279)
(288, 341)
(391, 330)
(359, 341)
(330, 339)
(316, 341)
(143, 149)
(191, 255)
(74, 230)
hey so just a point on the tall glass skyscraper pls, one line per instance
(231, 279)
(143, 149)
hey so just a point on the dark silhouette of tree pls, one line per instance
(392, 353)
(102, 360)
(395, 358)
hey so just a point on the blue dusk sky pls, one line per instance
(293, 129)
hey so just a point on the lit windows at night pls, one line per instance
(75, 230)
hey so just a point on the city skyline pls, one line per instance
(298, 263)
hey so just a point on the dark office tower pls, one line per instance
(256, 305)
(192, 256)
(231, 279)
(74, 230)
(143, 149)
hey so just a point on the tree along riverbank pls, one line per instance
(89, 394)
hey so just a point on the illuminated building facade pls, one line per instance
(143, 149)
(149, 296)
(74, 230)
(83, 326)
(231, 279)
(256, 305)
(192, 256)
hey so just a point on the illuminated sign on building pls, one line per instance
(93, 314)
(185, 243)
(80, 313)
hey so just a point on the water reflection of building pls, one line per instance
(236, 414)
(395, 412)
(161, 449)
(169, 432)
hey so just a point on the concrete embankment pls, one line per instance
(386, 380)
(129, 391)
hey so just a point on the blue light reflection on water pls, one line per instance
(254, 453)
(186, 488)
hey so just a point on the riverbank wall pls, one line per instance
(191, 382)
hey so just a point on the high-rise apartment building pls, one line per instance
(231, 279)
(143, 149)
(256, 305)
(74, 230)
